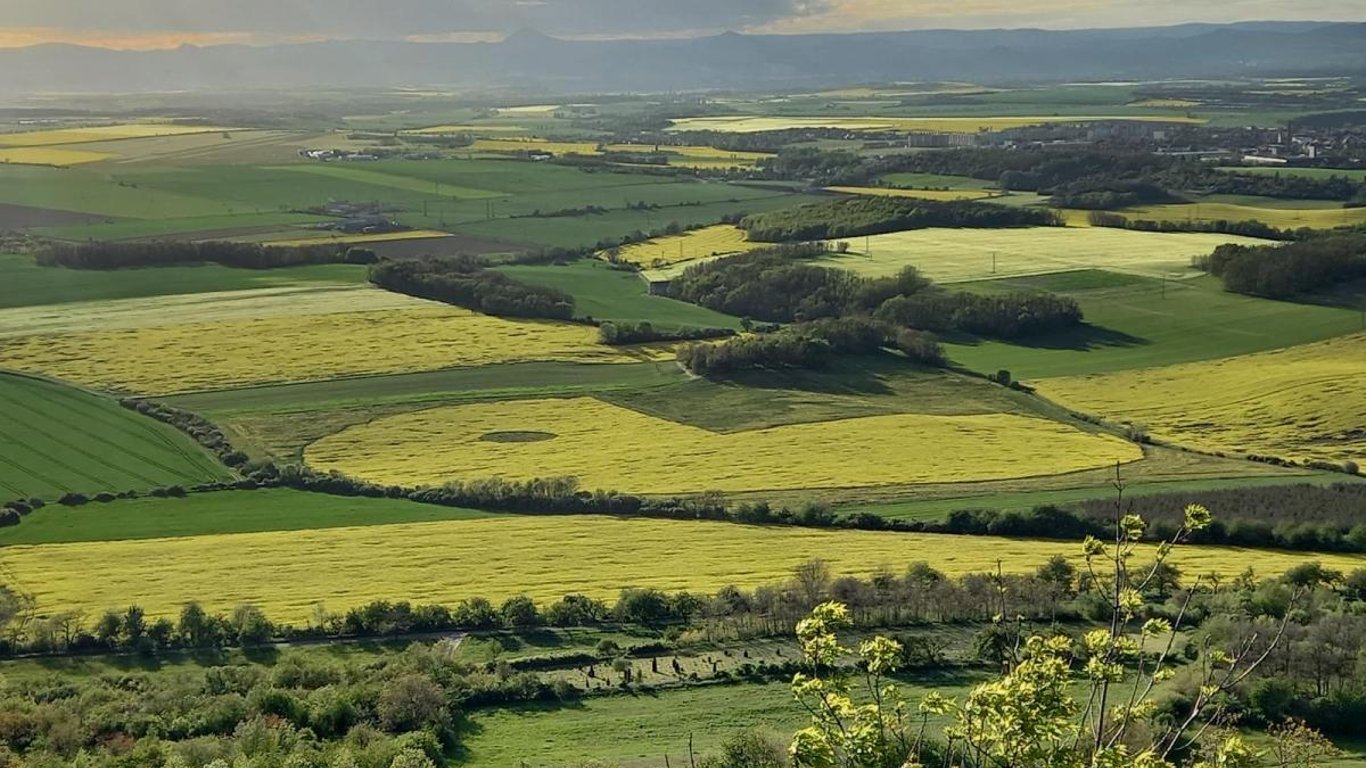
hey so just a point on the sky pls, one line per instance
(147, 24)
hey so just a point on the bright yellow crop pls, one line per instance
(1304, 402)
(1282, 218)
(609, 447)
(535, 145)
(50, 156)
(955, 255)
(696, 244)
(323, 238)
(220, 355)
(101, 133)
(286, 573)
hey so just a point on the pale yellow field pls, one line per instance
(50, 156)
(101, 133)
(1283, 218)
(1305, 402)
(610, 447)
(689, 246)
(1166, 103)
(287, 573)
(754, 124)
(220, 306)
(535, 145)
(919, 194)
(955, 255)
(234, 353)
(383, 237)
(441, 130)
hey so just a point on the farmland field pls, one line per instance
(955, 255)
(696, 244)
(49, 156)
(1357, 174)
(276, 347)
(100, 133)
(1303, 402)
(609, 447)
(543, 557)
(323, 238)
(965, 193)
(1283, 218)
(55, 439)
(603, 293)
(1142, 323)
(755, 124)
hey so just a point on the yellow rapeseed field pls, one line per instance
(688, 246)
(1304, 402)
(535, 145)
(756, 124)
(610, 447)
(287, 573)
(1283, 218)
(281, 348)
(101, 133)
(382, 237)
(50, 156)
(955, 255)
(919, 194)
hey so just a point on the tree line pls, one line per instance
(466, 282)
(617, 332)
(1244, 228)
(811, 345)
(1280, 272)
(878, 214)
(164, 253)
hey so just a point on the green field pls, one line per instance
(1146, 322)
(56, 439)
(638, 731)
(199, 514)
(1356, 174)
(25, 284)
(603, 293)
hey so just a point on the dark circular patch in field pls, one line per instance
(517, 437)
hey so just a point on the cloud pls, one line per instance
(161, 23)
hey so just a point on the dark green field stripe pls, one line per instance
(102, 461)
(35, 474)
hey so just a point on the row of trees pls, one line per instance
(466, 282)
(1279, 272)
(624, 332)
(810, 345)
(877, 214)
(158, 253)
(1245, 228)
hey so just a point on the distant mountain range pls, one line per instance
(548, 64)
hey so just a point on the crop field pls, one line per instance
(55, 156)
(956, 255)
(25, 284)
(696, 244)
(603, 293)
(919, 194)
(1300, 403)
(685, 156)
(756, 124)
(932, 181)
(535, 145)
(1358, 174)
(282, 348)
(1141, 322)
(609, 447)
(55, 439)
(543, 557)
(381, 237)
(101, 133)
(1283, 218)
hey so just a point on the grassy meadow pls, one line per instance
(544, 557)
(603, 293)
(696, 244)
(56, 439)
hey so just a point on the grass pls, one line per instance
(1283, 218)
(687, 246)
(638, 731)
(956, 255)
(221, 512)
(194, 227)
(25, 284)
(939, 508)
(1301, 403)
(273, 346)
(755, 124)
(287, 573)
(383, 237)
(1148, 323)
(1357, 174)
(960, 193)
(610, 447)
(55, 439)
(603, 293)
(53, 156)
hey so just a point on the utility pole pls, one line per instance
(993, 262)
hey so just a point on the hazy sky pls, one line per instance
(166, 23)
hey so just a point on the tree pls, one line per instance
(520, 612)
(250, 625)
(411, 703)
(196, 628)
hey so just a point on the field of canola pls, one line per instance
(544, 557)
(1303, 402)
(610, 447)
(688, 246)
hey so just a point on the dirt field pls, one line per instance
(25, 217)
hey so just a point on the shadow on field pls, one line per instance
(1084, 338)
(853, 376)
